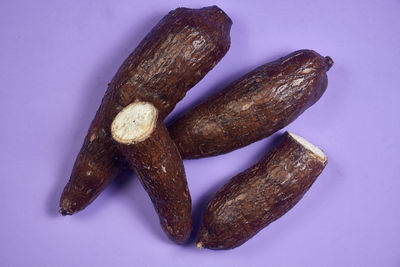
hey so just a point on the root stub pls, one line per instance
(64, 212)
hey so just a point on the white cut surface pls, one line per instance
(134, 123)
(310, 147)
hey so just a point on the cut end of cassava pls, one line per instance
(199, 245)
(310, 147)
(134, 123)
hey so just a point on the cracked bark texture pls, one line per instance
(259, 195)
(178, 52)
(160, 169)
(253, 107)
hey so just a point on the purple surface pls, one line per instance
(56, 59)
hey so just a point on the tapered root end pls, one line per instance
(199, 245)
(134, 123)
(329, 62)
(63, 212)
(71, 199)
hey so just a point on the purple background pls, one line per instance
(56, 58)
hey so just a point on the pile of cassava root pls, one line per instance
(128, 130)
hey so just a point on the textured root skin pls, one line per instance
(258, 196)
(178, 52)
(253, 107)
(160, 169)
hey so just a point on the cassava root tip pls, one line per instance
(329, 62)
(63, 212)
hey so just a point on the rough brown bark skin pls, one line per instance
(259, 195)
(253, 107)
(160, 169)
(172, 58)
